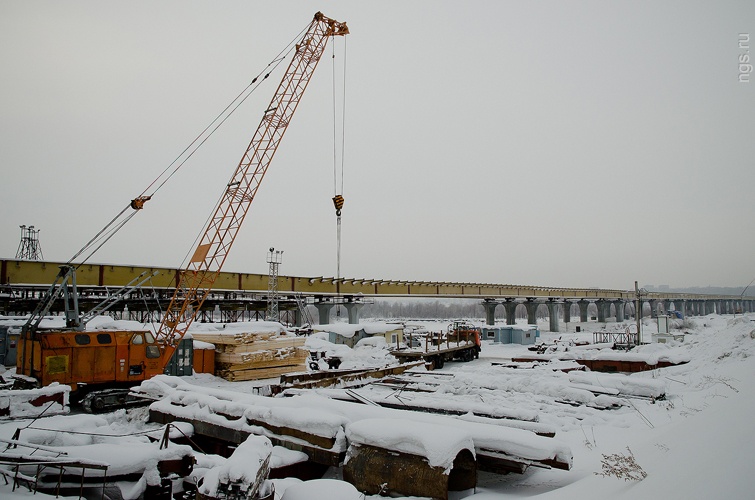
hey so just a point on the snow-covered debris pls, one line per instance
(187, 401)
(414, 438)
(50, 400)
(283, 457)
(322, 489)
(622, 384)
(248, 467)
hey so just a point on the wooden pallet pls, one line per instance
(260, 345)
(255, 355)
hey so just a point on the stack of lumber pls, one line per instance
(253, 356)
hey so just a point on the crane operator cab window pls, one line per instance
(140, 350)
(152, 350)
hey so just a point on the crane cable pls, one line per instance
(112, 227)
(338, 199)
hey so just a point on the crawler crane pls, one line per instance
(104, 363)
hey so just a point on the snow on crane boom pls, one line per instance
(195, 282)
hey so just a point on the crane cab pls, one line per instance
(75, 358)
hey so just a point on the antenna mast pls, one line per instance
(29, 248)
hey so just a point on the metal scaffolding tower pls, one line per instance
(274, 259)
(29, 248)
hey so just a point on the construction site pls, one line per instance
(130, 382)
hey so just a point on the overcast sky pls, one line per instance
(544, 143)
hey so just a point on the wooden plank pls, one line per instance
(260, 356)
(273, 343)
(233, 338)
(269, 363)
(258, 374)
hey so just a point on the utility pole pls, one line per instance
(639, 292)
(29, 248)
(274, 259)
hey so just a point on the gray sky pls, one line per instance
(545, 143)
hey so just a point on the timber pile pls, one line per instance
(255, 356)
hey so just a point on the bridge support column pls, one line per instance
(654, 307)
(567, 311)
(510, 307)
(681, 306)
(583, 310)
(323, 312)
(489, 306)
(619, 305)
(553, 315)
(603, 306)
(352, 308)
(531, 306)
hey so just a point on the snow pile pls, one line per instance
(321, 489)
(414, 438)
(635, 386)
(248, 467)
(314, 421)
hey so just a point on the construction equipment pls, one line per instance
(85, 360)
(461, 341)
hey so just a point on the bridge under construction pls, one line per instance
(239, 296)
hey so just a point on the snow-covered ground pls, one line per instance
(694, 444)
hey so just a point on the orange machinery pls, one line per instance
(107, 359)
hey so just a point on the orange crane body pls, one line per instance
(76, 357)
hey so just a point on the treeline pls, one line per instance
(430, 309)
(704, 290)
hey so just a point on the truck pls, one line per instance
(461, 341)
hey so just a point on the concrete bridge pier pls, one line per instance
(567, 311)
(583, 310)
(352, 308)
(655, 306)
(531, 305)
(681, 306)
(619, 305)
(700, 310)
(553, 315)
(489, 306)
(710, 307)
(323, 311)
(603, 307)
(510, 307)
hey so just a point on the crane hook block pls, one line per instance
(338, 203)
(138, 203)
